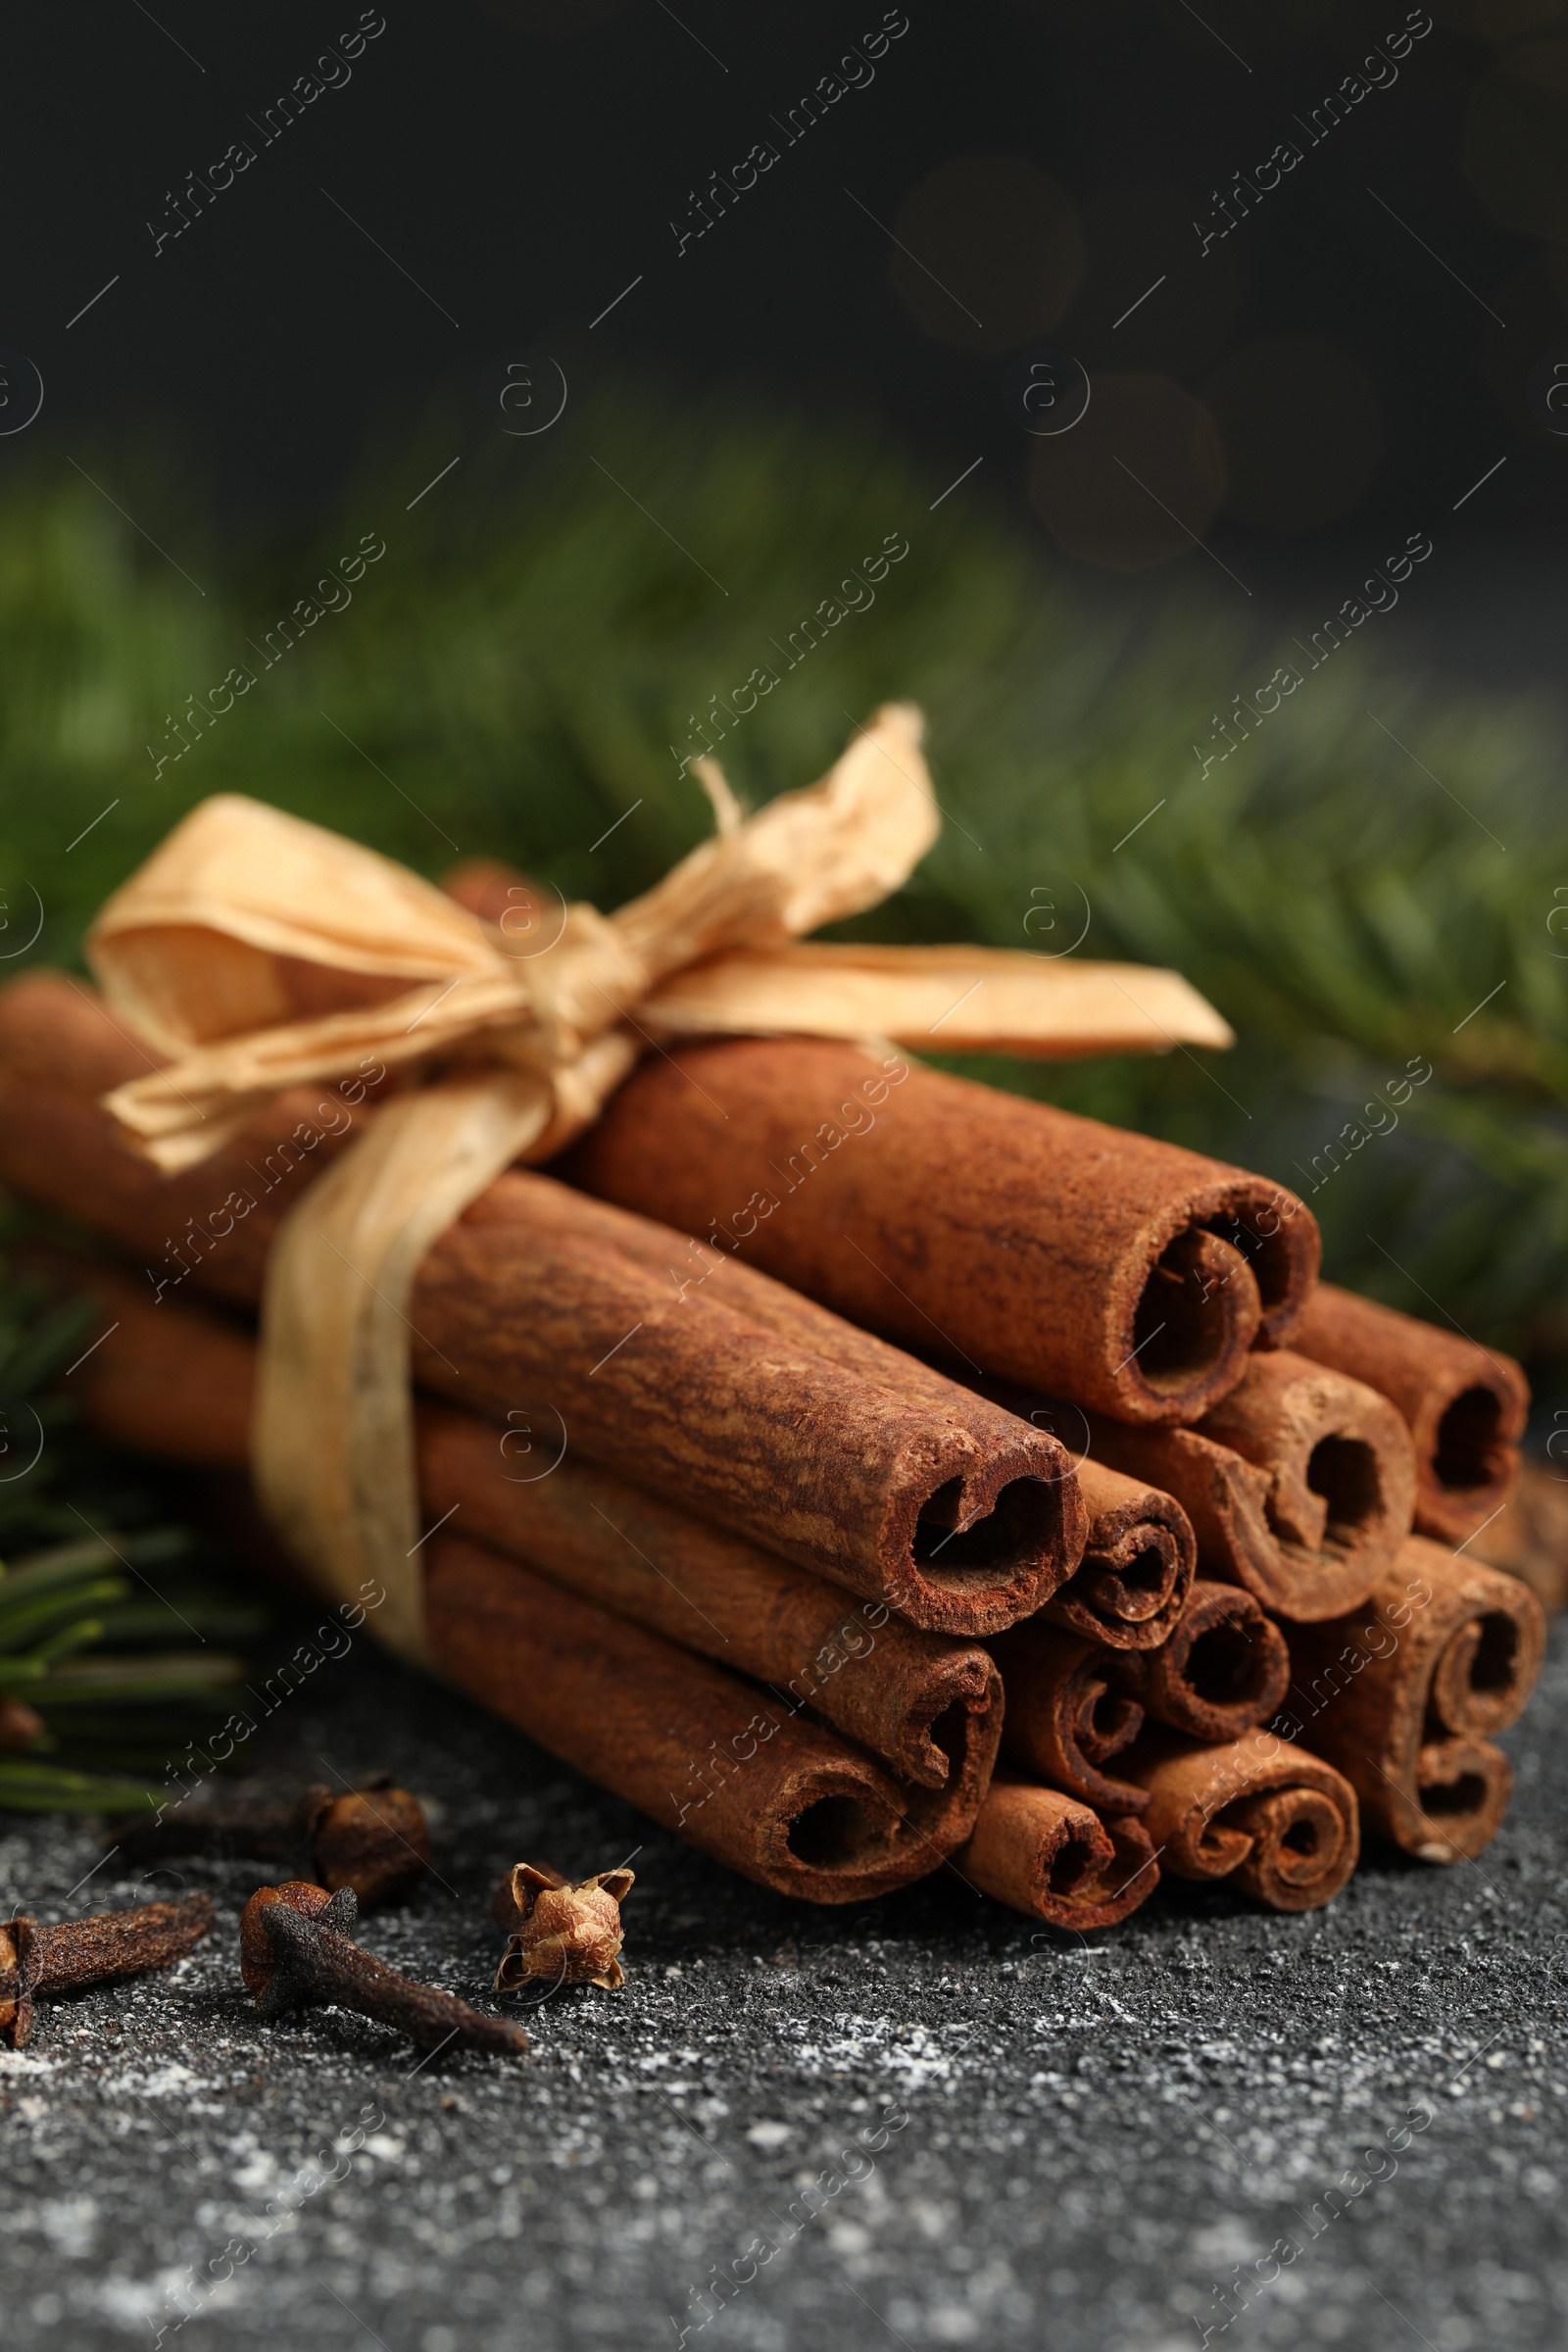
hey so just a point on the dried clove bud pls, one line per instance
(78, 1953)
(373, 1840)
(20, 1727)
(569, 1933)
(296, 1952)
(374, 1837)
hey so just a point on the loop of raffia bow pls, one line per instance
(223, 949)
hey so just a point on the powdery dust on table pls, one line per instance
(917, 2118)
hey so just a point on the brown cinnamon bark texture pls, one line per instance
(1406, 1693)
(999, 1234)
(1065, 1717)
(930, 1707)
(1073, 1705)
(1140, 1558)
(1529, 1536)
(1465, 1405)
(1140, 1553)
(1278, 1823)
(1224, 1670)
(785, 1801)
(934, 1508)
(177, 1381)
(1054, 1859)
(1299, 1483)
(1139, 1549)
(759, 1410)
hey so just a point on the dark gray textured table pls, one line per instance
(1014, 2139)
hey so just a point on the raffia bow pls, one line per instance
(209, 949)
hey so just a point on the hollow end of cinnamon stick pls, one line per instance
(1278, 1821)
(1299, 1483)
(947, 1215)
(1489, 1665)
(1401, 1695)
(1197, 1317)
(1342, 1479)
(1301, 1847)
(970, 1553)
(1461, 1794)
(1066, 1716)
(1224, 1670)
(1139, 1551)
(1054, 1858)
(1140, 1558)
(935, 1722)
(722, 1761)
(1465, 1405)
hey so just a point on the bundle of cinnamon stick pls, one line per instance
(860, 1470)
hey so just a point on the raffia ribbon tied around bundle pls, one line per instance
(516, 1043)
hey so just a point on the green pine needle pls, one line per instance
(89, 1690)
(531, 660)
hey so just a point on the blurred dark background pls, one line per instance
(631, 326)
(1004, 176)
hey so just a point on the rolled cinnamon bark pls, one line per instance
(1054, 1859)
(1404, 1695)
(1140, 1553)
(1299, 1483)
(178, 1382)
(1277, 1822)
(936, 1508)
(1065, 1717)
(947, 1509)
(1224, 1670)
(1529, 1536)
(784, 1801)
(1005, 1236)
(1465, 1405)
(928, 1706)
(1073, 1705)
(1140, 1558)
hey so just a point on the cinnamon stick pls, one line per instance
(929, 1707)
(1530, 1536)
(1003, 1235)
(1405, 1694)
(1275, 1820)
(1073, 1705)
(783, 1800)
(947, 1510)
(1465, 1405)
(1054, 1859)
(1224, 1670)
(1140, 1551)
(1066, 1717)
(177, 1381)
(1140, 1558)
(1299, 1483)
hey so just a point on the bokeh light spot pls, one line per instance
(997, 252)
(1137, 481)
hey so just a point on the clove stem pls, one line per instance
(78, 1952)
(296, 1953)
